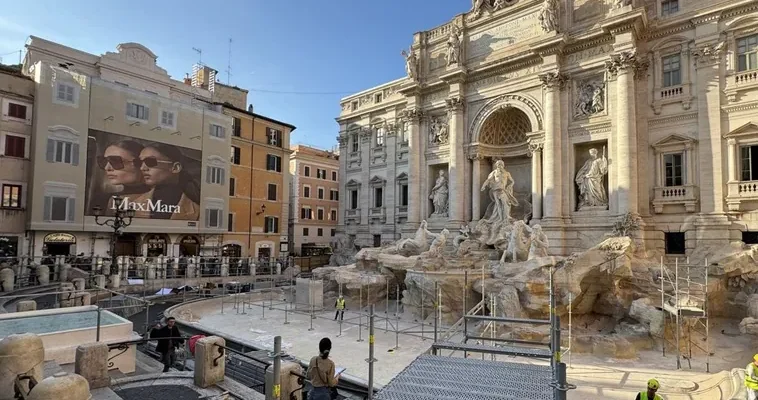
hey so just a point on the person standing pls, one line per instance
(751, 379)
(649, 394)
(321, 372)
(169, 338)
(340, 306)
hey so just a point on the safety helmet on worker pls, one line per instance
(755, 357)
(653, 384)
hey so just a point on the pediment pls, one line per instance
(353, 183)
(136, 55)
(748, 129)
(377, 180)
(673, 140)
(402, 176)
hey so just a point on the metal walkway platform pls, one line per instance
(517, 351)
(441, 378)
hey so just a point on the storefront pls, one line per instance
(59, 244)
(231, 250)
(189, 245)
(8, 246)
(156, 244)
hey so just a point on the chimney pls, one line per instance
(187, 79)
(250, 108)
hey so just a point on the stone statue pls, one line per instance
(439, 196)
(539, 243)
(549, 16)
(622, 3)
(411, 246)
(411, 63)
(591, 99)
(477, 7)
(343, 251)
(438, 132)
(589, 180)
(453, 53)
(438, 245)
(518, 243)
(465, 234)
(500, 185)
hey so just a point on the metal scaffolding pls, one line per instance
(684, 301)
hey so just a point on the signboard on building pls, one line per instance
(65, 238)
(157, 180)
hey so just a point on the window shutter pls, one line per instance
(223, 178)
(207, 217)
(276, 225)
(129, 109)
(278, 164)
(75, 154)
(223, 132)
(210, 129)
(147, 113)
(71, 211)
(50, 155)
(46, 209)
(208, 173)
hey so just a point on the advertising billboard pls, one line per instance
(156, 180)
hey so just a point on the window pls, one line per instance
(377, 240)
(749, 163)
(378, 197)
(271, 192)
(306, 191)
(213, 218)
(750, 237)
(378, 98)
(59, 209)
(320, 214)
(334, 176)
(404, 195)
(271, 225)
(230, 222)
(353, 199)
(321, 193)
(167, 118)
(273, 163)
(217, 131)
(17, 111)
(334, 232)
(215, 175)
(354, 141)
(320, 173)
(12, 196)
(320, 232)
(334, 195)
(672, 74)
(380, 137)
(62, 152)
(274, 137)
(15, 146)
(334, 215)
(137, 111)
(306, 213)
(307, 170)
(65, 93)
(237, 127)
(674, 242)
(306, 231)
(232, 186)
(236, 155)
(673, 166)
(354, 105)
(669, 7)
(747, 53)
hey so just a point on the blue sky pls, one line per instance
(332, 46)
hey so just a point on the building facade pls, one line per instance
(17, 102)
(117, 124)
(314, 210)
(597, 109)
(259, 184)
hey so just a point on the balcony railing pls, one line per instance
(671, 92)
(741, 191)
(402, 209)
(741, 81)
(746, 77)
(685, 195)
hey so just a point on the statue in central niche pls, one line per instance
(589, 180)
(500, 185)
(439, 196)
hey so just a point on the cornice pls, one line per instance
(590, 129)
(496, 68)
(635, 21)
(750, 7)
(674, 119)
(587, 44)
(740, 107)
(666, 30)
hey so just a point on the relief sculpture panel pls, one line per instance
(503, 35)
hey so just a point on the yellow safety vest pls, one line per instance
(750, 383)
(340, 304)
(643, 396)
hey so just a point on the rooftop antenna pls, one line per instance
(199, 55)
(229, 64)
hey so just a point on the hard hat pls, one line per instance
(653, 384)
(755, 357)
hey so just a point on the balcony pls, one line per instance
(741, 81)
(377, 214)
(353, 216)
(671, 95)
(675, 195)
(741, 192)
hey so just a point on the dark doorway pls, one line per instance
(126, 245)
(232, 250)
(750, 237)
(8, 246)
(58, 249)
(189, 246)
(264, 252)
(377, 240)
(675, 243)
(157, 245)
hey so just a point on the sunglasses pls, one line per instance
(151, 162)
(119, 163)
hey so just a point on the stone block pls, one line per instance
(100, 281)
(43, 274)
(114, 281)
(62, 386)
(64, 272)
(643, 311)
(20, 354)
(92, 364)
(209, 367)
(289, 388)
(749, 326)
(309, 292)
(26, 305)
(6, 280)
(79, 283)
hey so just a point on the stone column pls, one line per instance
(552, 82)
(476, 183)
(627, 66)
(209, 367)
(535, 151)
(92, 364)
(731, 161)
(415, 156)
(456, 190)
(690, 166)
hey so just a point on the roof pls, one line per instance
(252, 114)
(13, 70)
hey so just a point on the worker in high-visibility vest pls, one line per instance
(340, 306)
(751, 379)
(649, 394)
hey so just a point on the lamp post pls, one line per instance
(121, 219)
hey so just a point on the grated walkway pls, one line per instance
(518, 351)
(437, 377)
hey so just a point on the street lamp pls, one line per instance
(121, 220)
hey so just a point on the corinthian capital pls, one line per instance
(627, 61)
(455, 104)
(553, 80)
(413, 114)
(343, 139)
(709, 54)
(533, 147)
